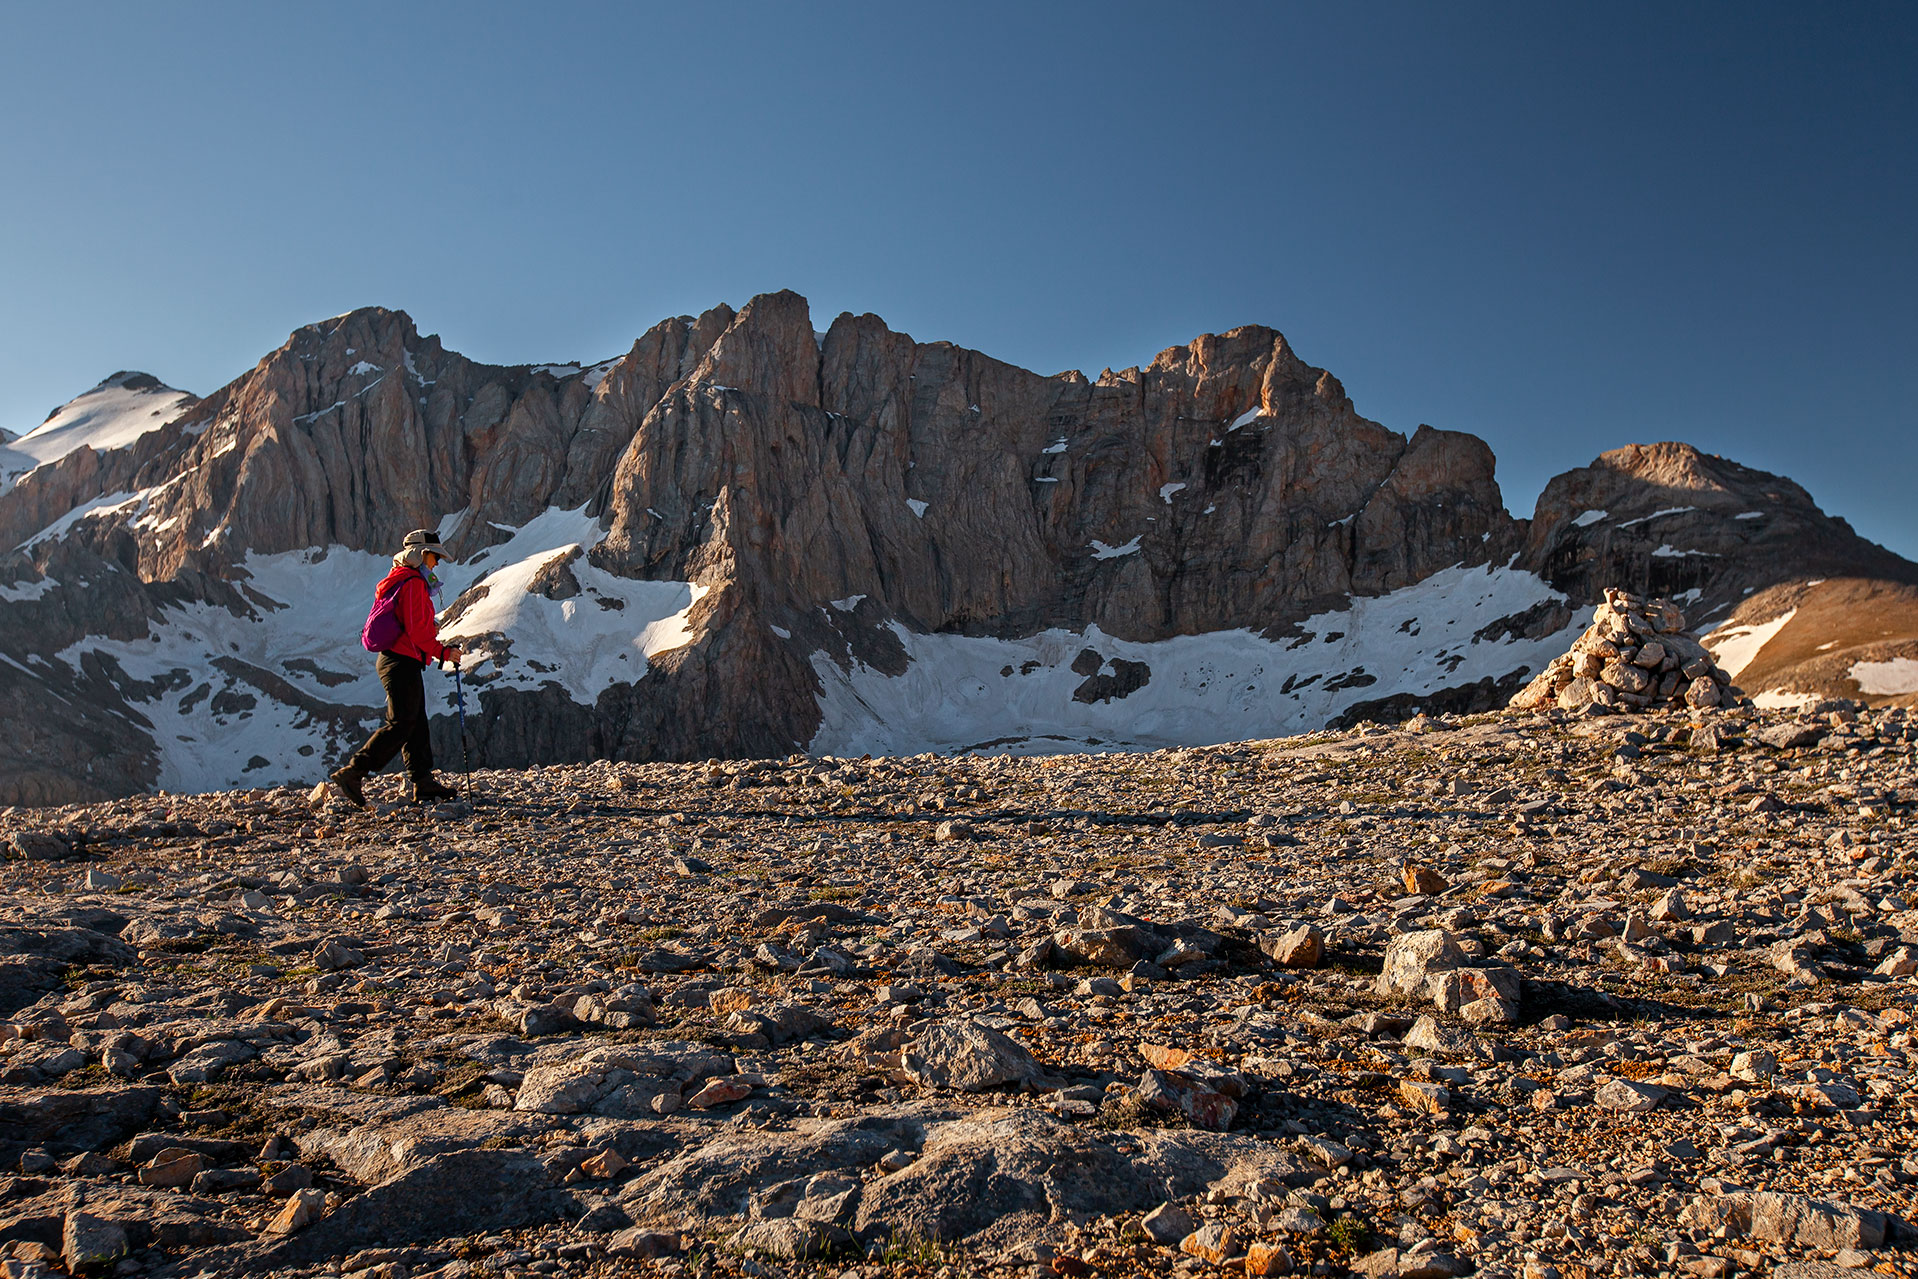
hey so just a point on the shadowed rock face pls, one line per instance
(1226, 486)
(1676, 520)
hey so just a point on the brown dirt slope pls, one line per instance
(1837, 624)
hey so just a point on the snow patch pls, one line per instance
(1244, 419)
(25, 591)
(1167, 490)
(449, 523)
(1589, 518)
(1100, 551)
(1057, 446)
(848, 604)
(308, 417)
(550, 529)
(362, 368)
(918, 507)
(1749, 515)
(1734, 647)
(1886, 679)
(1658, 515)
(1782, 699)
(1670, 552)
(1221, 686)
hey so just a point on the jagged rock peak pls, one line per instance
(1671, 467)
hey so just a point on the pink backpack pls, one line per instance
(383, 625)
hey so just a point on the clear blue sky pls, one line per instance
(1564, 228)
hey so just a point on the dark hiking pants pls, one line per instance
(404, 729)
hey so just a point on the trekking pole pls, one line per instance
(459, 695)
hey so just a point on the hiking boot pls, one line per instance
(432, 791)
(347, 779)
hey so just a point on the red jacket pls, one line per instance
(419, 631)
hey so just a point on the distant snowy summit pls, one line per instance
(110, 416)
(748, 536)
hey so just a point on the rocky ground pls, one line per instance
(1535, 994)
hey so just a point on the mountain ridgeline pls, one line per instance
(746, 537)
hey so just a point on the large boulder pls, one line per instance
(966, 1056)
(1412, 959)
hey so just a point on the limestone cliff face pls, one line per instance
(836, 500)
(1228, 484)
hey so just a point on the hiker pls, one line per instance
(406, 638)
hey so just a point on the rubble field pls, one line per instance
(1540, 994)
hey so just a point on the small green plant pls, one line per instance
(909, 1247)
(86, 1077)
(661, 932)
(1348, 1235)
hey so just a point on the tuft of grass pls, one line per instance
(1348, 1235)
(86, 1077)
(910, 1248)
(1678, 867)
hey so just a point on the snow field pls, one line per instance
(1223, 686)
(309, 636)
(589, 642)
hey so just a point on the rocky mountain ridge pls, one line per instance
(746, 537)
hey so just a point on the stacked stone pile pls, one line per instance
(1636, 655)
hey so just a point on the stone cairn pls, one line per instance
(1635, 656)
